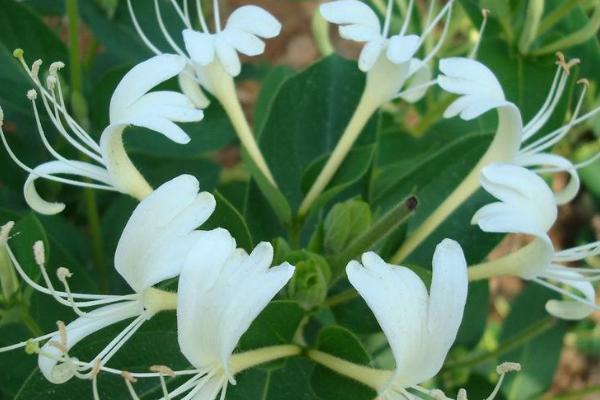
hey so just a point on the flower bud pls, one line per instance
(309, 284)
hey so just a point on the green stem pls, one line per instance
(341, 298)
(387, 224)
(528, 334)
(80, 110)
(556, 15)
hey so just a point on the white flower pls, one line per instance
(420, 327)
(221, 291)
(131, 104)
(527, 206)
(480, 91)
(156, 240)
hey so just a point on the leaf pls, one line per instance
(275, 325)
(329, 385)
(269, 87)
(228, 217)
(306, 120)
(539, 356)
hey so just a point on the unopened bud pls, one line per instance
(507, 367)
(309, 284)
(38, 253)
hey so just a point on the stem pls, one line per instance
(365, 109)
(387, 224)
(340, 298)
(80, 108)
(525, 336)
(242, 361)
(556, 15)
(374, 378)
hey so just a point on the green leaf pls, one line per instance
(539, 356)
(269, 87)
(329, 385)
(275, 325)
(306, 120)
(228, 217)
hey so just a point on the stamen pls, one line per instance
(417, 88)
(182, 14)
(140, 32)
(35, 68)
(163, 371)
(94, 373)
(115, 345)
(31, 94)
(38, 253)
(165, 32)
(564, 64)
(407, 17)
(447, 10)
(5, 231)
(502, 370)
(129, 381)
(63, 274)
(62, 331)
(462, 395)
(388, 19)
(201, 16)
(485, 13)
(217, 15)
(566, 293)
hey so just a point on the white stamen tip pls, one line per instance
(485, 13)
(38, 253)
(462, 395)
(507, 367)
(584, 82)
(56, 66)
(31, 94)
(35, 68)
(5, 231)
(63, 274)
(163, 370)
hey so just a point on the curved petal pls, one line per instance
(557, 163)
(370, 54)
(350, 12)
(79, 329)
(466, 76)
(192, 89)
(172, 106)
(140, 79)
(160, 232)
(523, 190)
(225, 289)
(254, 20)
(228, 57)
(447, 299)
(163, 126)
(359, 33)
(419, 74)
(572, 309)
(244, 42)
(74, 167)
(200, 46)
(472, 106)
(398, 299)
(401, 49)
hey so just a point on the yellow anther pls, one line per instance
(128, 377)
(163, 370)
(18, 53)
(32, 347)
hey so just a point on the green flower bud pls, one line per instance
(309, 284)
(345, 222)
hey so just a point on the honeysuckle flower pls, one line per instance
(221, 291)
(390, 64)
(212, 59)
(527, 206)
(132, 103)
(153, 248)
(514, 142)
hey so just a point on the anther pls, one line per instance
(462, 395)
(31, 94)
(163, 370)
(63, 274)
(96, 368)
(564, 64)
(62, 331)
(6, 228)
(485, 13)
(35, 68)
(583, 82)
(55, 67)
(51, 82)
(507, 367)
(128, 377)
(18, 53)
(38, 253)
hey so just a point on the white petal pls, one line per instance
(225, 290)
(370, 54)
(244, 42)
(191, 88)
(523, 190)
(254, 20)
(558, 163)
(140, 79)
(401, 49)
(164, 104)
(159, 234)
(398, 299)
(466, 76)
(419, 74)
(571, 309)
(359, 33)
(74, 167)
(79, 329)
(200, 46)
(163, 126)
(350, 12)
(228, 57)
